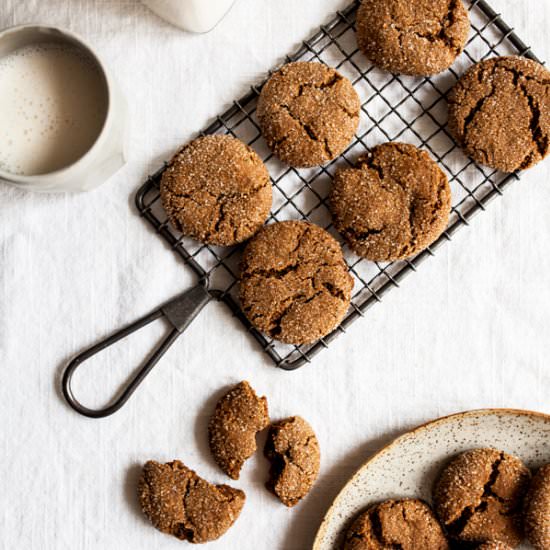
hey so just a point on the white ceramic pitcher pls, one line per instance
(191, 15)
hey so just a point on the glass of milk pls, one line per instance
(191, 15)
(63, 116)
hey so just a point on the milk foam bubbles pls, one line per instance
(53, 104)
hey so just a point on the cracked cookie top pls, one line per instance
(394, 203)
(293, 450)
(295, 284)
(308, 113)
(479, 496)
(239, 415)
(406, 524)
(216, 190)
(180, 503)
(537, 509)
(499, 113)
(419, 38)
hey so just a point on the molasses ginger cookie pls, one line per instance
(180, 503)
(239, 415)
(479, 494)
(394, 203)
(537, 510)
(308, 113)
(216, 190)
(295, 284)
(406, 524)
(499, 113)
(293, 450)
(420, 38)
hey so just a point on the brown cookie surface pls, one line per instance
(179, 502)
(417, 38)
(479, 494)
(394, 203)
(308, 113)
(406, 524)
(537, 509)
(239, 415)
(293, 450)
(499, 113)
(493, 546)
(295, 284)
(216, 190)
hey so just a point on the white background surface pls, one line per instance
(469, 330)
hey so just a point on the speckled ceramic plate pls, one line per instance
(408, 466)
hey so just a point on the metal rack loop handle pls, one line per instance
(180, 312)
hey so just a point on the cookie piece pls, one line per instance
(417, 38)
(293, 450)
(295, 284)
(179, 502)
(494, 546)
(216, 190)
(478, 496)
(499, 113)
(407, 524)
(394, 203)
(308, 113)
(239, 415)
(537, 510)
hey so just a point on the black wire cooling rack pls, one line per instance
(394, 107)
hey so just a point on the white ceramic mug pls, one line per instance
(191, 15)
(107, 154)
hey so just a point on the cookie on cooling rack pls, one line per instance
(394, 203)
(479, 495)
(419, 38)
(499, 113)
(216, 190)
(537, 509)
(295, 284)
(407, 524)
(308, 113)
(180, 503)
(239, 415)
(293, 450)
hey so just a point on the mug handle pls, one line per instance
(179, 312)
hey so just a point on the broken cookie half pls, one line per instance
(293, 450)
(239, 415)
(180, 503)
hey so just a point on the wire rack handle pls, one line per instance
(179, 312)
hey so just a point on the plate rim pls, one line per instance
(421, 427)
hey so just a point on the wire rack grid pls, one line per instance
(394, 108)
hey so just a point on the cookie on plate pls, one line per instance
(293, 450)
(216, 190)
(479, 494)
(537, 509)
(308, 113)
(499, 113)
(392, 204)
(406, 524)
(239, 415)
(419, 38)
(180, 503)
(295, 284)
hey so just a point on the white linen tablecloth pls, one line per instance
(469, 330)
